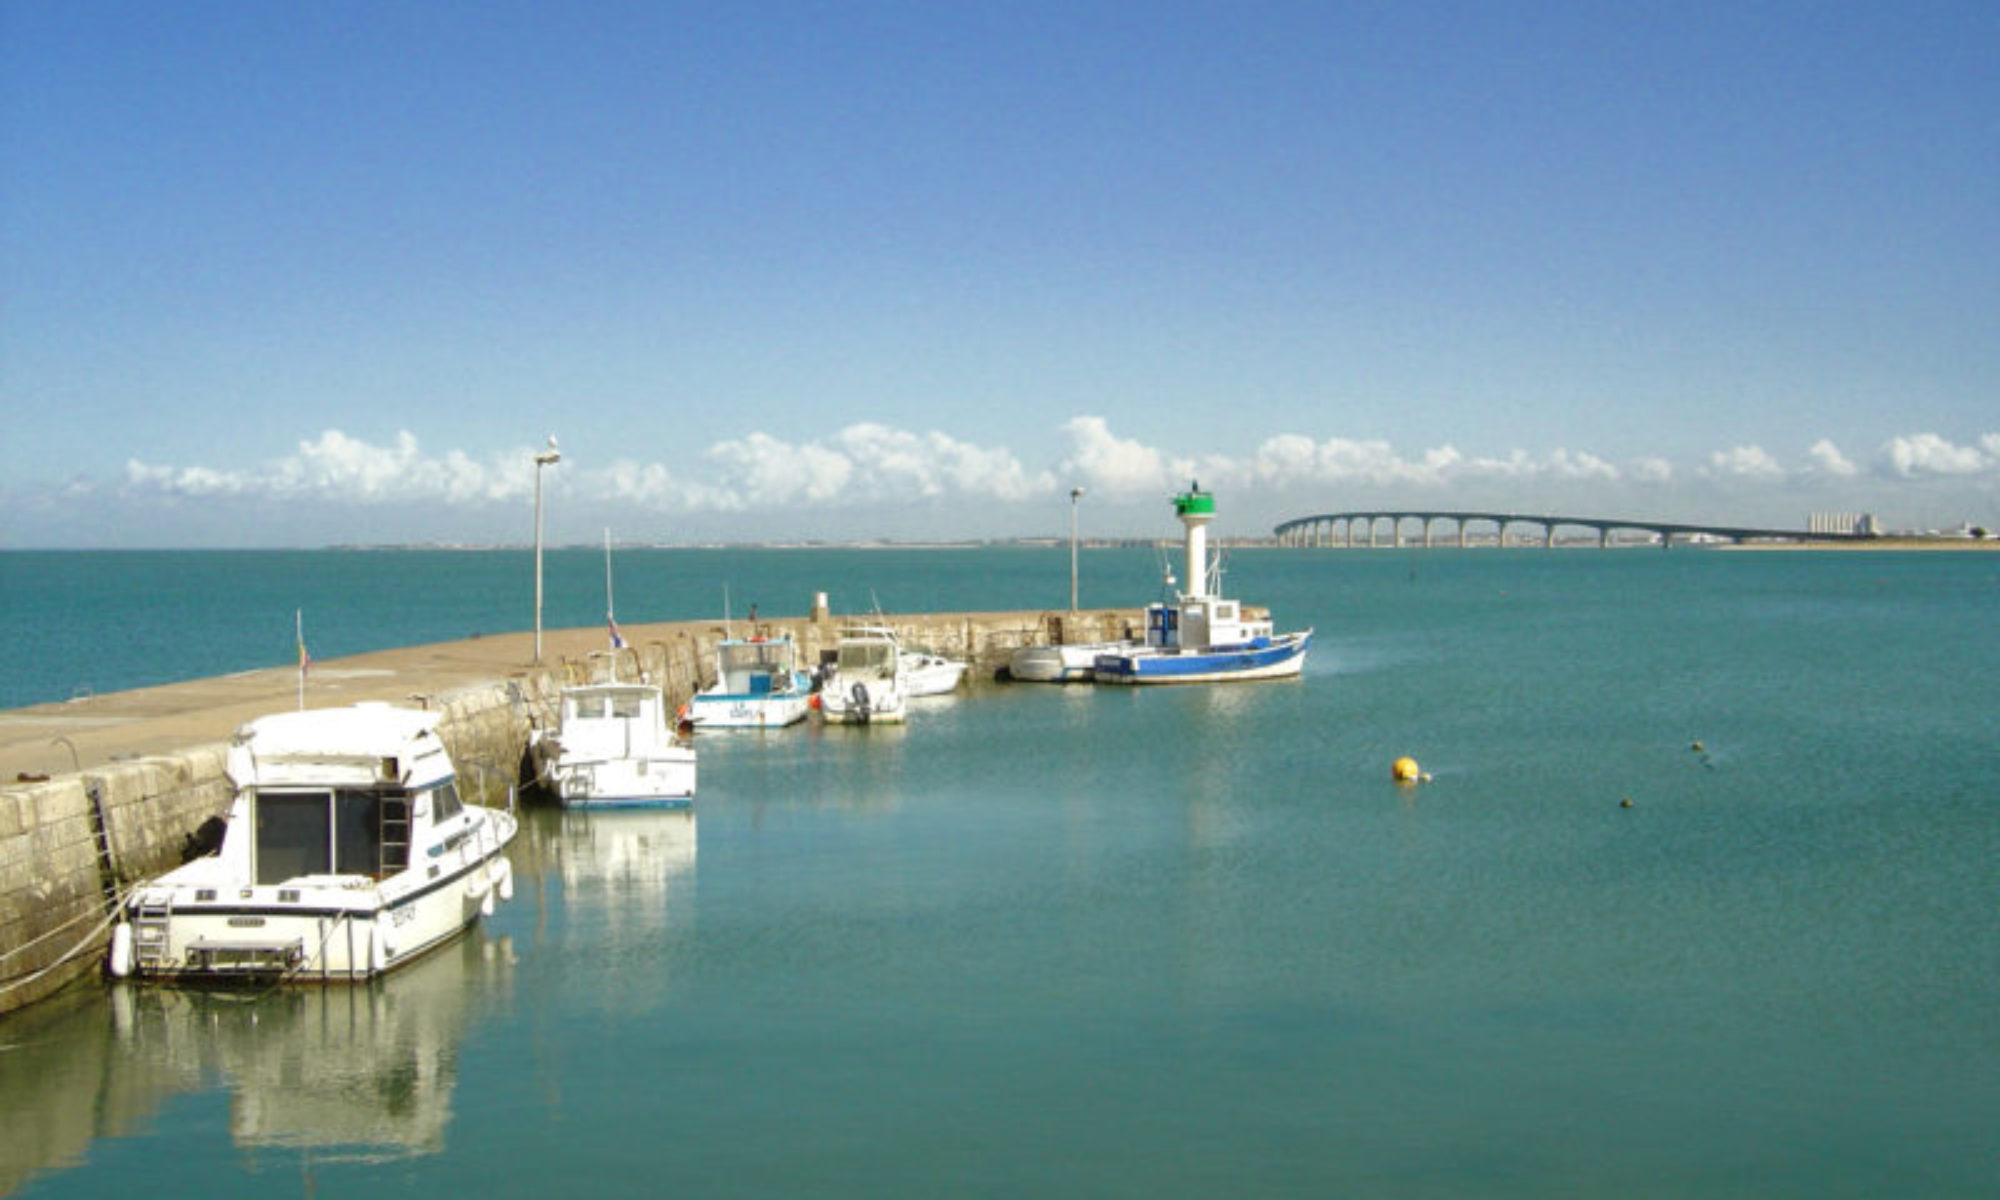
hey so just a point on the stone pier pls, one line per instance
(101, 793)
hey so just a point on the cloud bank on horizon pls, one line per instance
(759, 484)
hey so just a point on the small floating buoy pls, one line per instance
(1625, 803)
(1696, 747)
(1406, 770)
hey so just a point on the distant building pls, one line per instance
(1862, 524)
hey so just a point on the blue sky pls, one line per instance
(291, 274)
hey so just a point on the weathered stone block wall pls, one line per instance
(69, 845)
(48, 884)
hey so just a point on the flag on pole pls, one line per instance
(617, 640)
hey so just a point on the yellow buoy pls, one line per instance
(1406, 770)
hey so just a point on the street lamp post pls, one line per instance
(1075, 494)
(546, 458)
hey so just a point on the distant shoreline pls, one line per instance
(1875, 544)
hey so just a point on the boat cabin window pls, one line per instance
(858, 657)
(747, 656)
(346, 831)
(445, 803)
(586, 708)
(625, 707)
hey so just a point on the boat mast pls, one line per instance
(610, 609)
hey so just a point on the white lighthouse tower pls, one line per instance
(1196, 509)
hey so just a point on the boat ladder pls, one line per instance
(395, 834)
(149, 932)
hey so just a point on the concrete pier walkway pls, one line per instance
(57, 739)
(80, 735)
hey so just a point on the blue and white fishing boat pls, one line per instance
(1201, 637)
(758, 685)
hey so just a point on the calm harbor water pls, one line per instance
(1179, 942)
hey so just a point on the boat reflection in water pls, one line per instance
(630, 869)
(354, 1074)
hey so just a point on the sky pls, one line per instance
(315, 273)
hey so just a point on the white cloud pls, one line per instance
(1105, 463)
(1745, 462)
(1565, 465)
(1928, 454)
(186, 481)
(1652, 470)
(862, 464)
(1827, 458)
(759, 471)
(893, 465)
(337, 467)
(869, 465)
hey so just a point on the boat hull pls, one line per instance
(655, 782)
(932, 677)
(1061, 664)
(1283, 657)
(191, 926)
(748, 711)
(876, 702)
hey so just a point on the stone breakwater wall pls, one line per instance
(71, 846)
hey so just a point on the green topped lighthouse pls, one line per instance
(1196, 509)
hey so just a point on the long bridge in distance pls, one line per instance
(1360, 528)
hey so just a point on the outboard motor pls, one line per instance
(862, 708)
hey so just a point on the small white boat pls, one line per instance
(613, 749)
(927, 674)
(347, 853)
(1061, 664)
(865, 684)
(1201, 637)
(758, 685)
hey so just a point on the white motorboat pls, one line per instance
(927, 674)
(1061, 664)
(347, 853)
(613, 749)
(1201, 637)
(865, 684)
(758, 685)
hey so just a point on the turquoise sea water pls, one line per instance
(1176, 942)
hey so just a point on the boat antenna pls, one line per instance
(610, 609)
(305, 659)
(726, 631)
